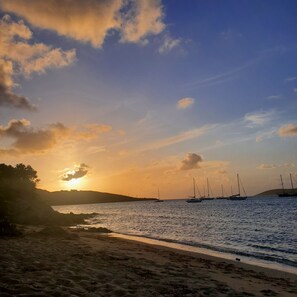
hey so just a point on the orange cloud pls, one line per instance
(289, 130)
(17, 55)
(91, 21)
(28, 140)
(145, 18)
(37, 141)
(185, 103)
(92, 131)
(7, 97)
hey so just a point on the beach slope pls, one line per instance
(56, 262)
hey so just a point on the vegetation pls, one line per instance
(20, 203)
(84, 197)
(275, 192)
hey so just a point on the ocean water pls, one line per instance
(258, 228)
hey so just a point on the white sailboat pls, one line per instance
(287, 194)
(238, 196)
(159, 200)
(194, 199)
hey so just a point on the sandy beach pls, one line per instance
(60, 262)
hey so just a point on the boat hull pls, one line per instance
(287, 195)
(194, 200)
(238, 198)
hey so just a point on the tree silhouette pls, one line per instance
(20, 178)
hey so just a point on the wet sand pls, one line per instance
(55, 262)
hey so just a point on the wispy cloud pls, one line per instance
(289, 79)
(168, 44)
(273, 166)
(274, 97)
(267, 166)
(181, 137)
(222, 77)
(230, 34)
(259, 118)
(185, 103)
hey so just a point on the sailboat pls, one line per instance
(238, 196)
(223, 195)
(194, 199)
(208, 195)
(287, 194)
(159, 200)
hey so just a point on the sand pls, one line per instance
(56, 262)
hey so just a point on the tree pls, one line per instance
(20, 179)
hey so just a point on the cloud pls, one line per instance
(230, 35)
(19, 57)
(78, 172)
(267, 166)
(145, 17)
(27, 140)
(289, 130)
(7, 97)
(168, 44)
(259, 138)
(91, 21)
(222, 172)
(272, 97)
(272, 166)
(258, 118)
(95, 149)
(292, 78)
(185, 103)
(295, 90)
(222, 77)
(191, 161)
(184, 136)
(91, 131)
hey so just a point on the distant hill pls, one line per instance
(274, 192)
(83, 197)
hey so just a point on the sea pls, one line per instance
(261, 231)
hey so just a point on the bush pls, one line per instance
(8, 229)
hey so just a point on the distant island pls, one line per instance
(83, 197)
(275, 192)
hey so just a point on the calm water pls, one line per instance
(260, 228)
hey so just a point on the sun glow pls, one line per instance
(74, 183)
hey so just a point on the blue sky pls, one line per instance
(234, 63)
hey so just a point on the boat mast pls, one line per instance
(222, 190)
(238, 184)
(158, 194)
(207, 187)
(291, 183)
(281, 178)
(194, 187)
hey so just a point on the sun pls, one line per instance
(74, 183)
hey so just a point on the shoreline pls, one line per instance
(209, 253)
(54, 261)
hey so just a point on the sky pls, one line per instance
(132, 96)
